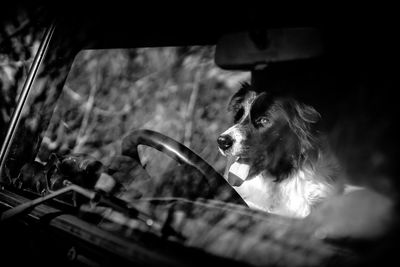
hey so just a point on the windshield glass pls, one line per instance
(176, 91)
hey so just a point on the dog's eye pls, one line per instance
(261, 122)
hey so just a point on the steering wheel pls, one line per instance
(220, 189)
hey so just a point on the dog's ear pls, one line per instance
(301, 124)
(238, 97)
(307, 113)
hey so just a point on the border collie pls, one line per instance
(281, 164)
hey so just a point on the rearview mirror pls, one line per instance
(246, 50)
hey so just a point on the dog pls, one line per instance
(284, 165)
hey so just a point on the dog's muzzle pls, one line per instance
(225, 142)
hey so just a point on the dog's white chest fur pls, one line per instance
(292, 197)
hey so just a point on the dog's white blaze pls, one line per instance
(237, 136)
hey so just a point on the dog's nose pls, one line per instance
(225, 141)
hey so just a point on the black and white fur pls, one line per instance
(291, 167)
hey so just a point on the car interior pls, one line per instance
(112, 156)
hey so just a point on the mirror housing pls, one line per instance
(247, 50)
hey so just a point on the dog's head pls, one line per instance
(271, 132)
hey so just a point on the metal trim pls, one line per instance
(24, 95)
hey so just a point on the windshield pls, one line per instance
(88, 132)
(176, 91)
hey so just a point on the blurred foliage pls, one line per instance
(177, 91)
(20, 33)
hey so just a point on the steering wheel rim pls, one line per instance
(183, 155)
